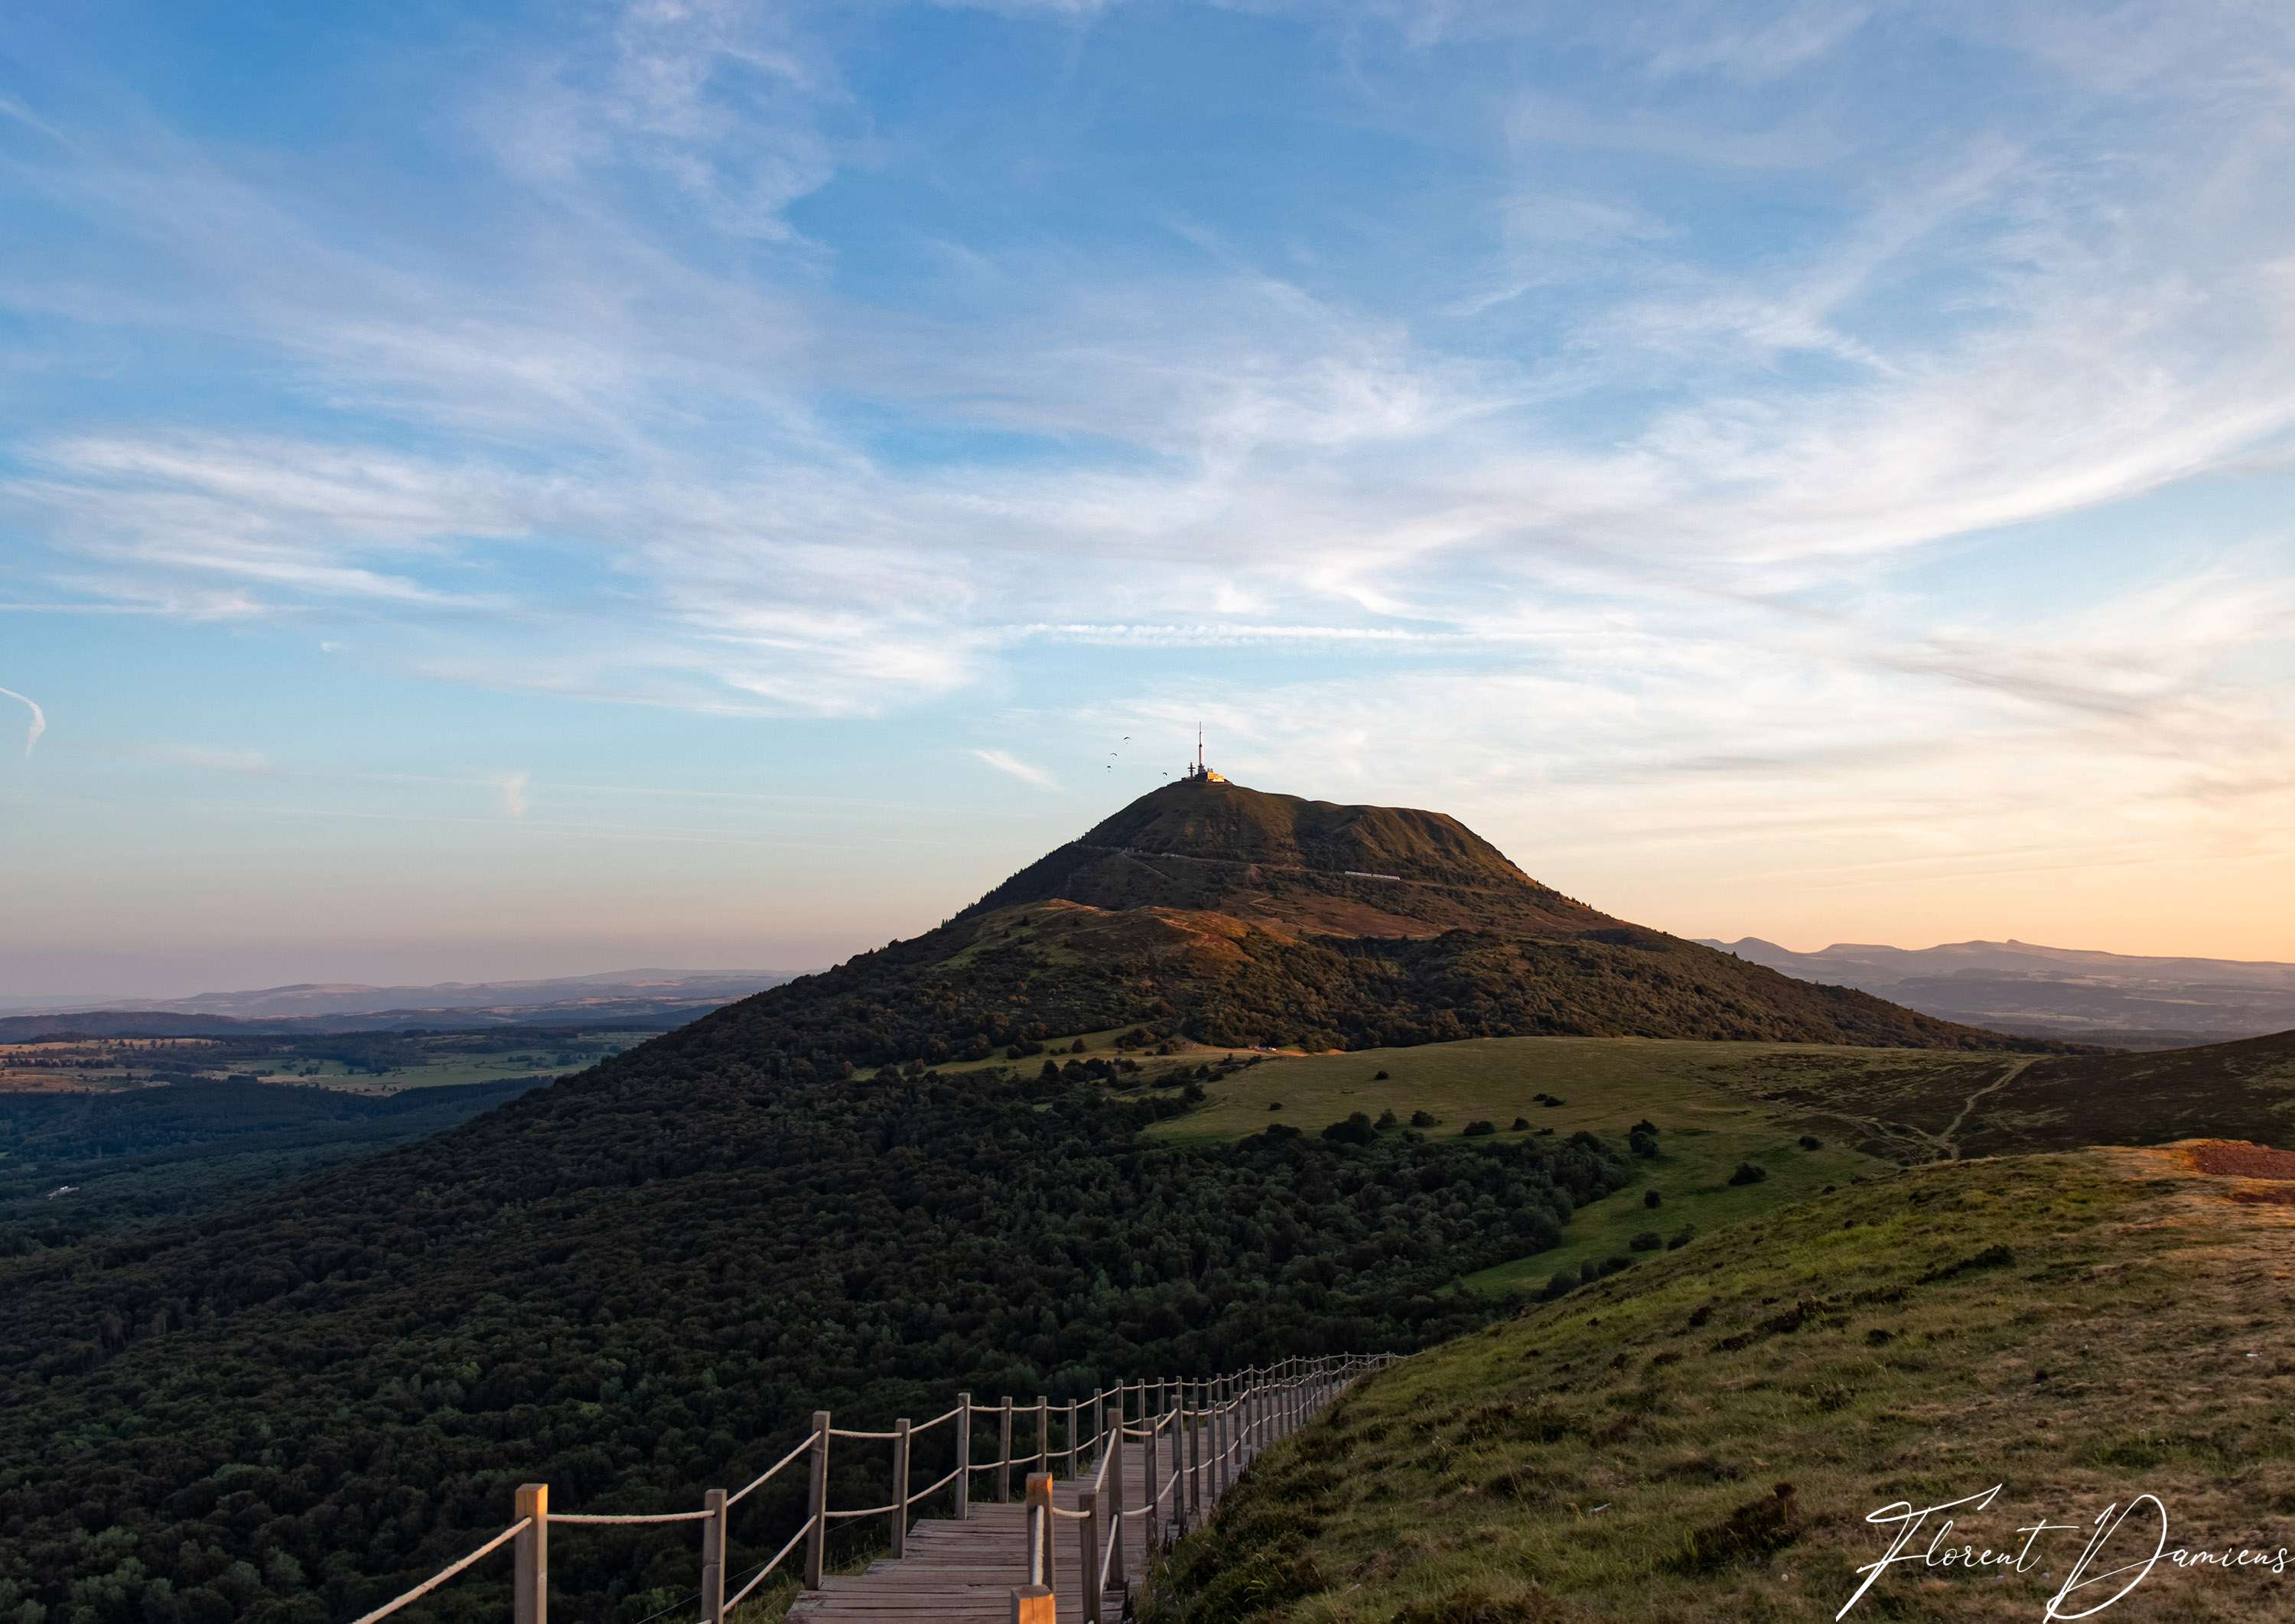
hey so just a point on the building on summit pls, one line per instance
(1196, 769)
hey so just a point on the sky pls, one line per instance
(497, 491)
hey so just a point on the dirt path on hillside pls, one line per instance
(1946, 1142)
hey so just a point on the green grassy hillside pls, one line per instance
(1704, 1438)
(1606, 1085)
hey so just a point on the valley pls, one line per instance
(360, 1063)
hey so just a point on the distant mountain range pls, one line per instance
(643, 997)
(2054, 992)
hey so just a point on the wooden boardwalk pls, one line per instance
(964, 1572)
(1193, 1436)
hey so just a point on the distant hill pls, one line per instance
(643, 998)
(2070, 993)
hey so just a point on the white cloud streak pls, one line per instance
(39, 723)
(1004, 761)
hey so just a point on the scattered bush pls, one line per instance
(1681, 1237)
(1385, 1119)
(1648, 1240)
(1476, 1128)
(1521, 1123)
(1643, 1145)
(1274, 1105)
(1380, 1078)
(1653, 1200)
(1355, 1130)
(1749, 1173)
(1424, 1118)
(1809, 1141)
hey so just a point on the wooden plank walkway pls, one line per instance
(964, 1572)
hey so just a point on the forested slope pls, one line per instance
(638, 1284)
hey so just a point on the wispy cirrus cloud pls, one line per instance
(1684, 410)
(1006, 763)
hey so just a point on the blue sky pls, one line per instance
(495, 491)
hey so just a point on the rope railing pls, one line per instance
(740, 1596)
(760, 1481)
(1243, 1413)
(448, 1571)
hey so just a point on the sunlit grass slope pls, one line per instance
(1703, 1437)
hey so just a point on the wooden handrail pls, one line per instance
(1238, 1415)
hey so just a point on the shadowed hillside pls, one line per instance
(2238, 1090)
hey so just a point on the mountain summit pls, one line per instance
(1213, 911)
(1347, 870)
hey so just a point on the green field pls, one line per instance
(1706, 1099)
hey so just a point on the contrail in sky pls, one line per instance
(39, 719)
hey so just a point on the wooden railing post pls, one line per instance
(530, 1555)
(1218, 1438)
(963, 1456)
(713, 1557)
(1088, 1532)
(1115, 1486)
(901, 1487)
(1043, 1433)
(1004, 1455)
(1033, 1602)
(1152, 1485)
(816, 1533)
(1072, 1440)
(1195, 1415)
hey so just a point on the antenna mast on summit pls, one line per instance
(1200, 773)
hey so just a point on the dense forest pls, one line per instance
(638, 1282)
